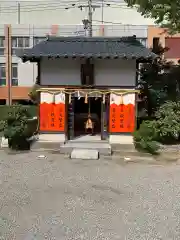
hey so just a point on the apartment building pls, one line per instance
(157, 35)
(25, 36)
(32, 21)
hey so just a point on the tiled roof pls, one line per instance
(94, 47)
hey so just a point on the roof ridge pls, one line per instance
(90, 39)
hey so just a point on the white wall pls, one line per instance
(115, 72)
(27, 74)
(60, 72)
(107, 72)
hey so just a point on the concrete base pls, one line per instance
(121, 139)
(50, 137)
(85, 154)
(103, 148)
(4, 142)
(49, 141)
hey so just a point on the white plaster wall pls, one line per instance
(27, 73)
(60, 72)
(115, 72)
(107, 72)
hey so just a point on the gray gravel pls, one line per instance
(55, 198)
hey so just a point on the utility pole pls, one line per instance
(88, 22)
(19, 13)
(90, 17)
(8, 61)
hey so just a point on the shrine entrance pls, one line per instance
(87, 116)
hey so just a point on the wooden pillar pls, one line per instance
(105, 118)
(69, 127)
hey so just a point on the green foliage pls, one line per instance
(5, 110)
(16, 129)
(34, 95)
(159, 82)
(168, 122)
(165, 129)
(166, 12)
(145, 137)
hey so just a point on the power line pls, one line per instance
(71, 4)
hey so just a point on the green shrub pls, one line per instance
(145, 139)
(168, 122)
(16, 128)
(165, 129)
(4, 110)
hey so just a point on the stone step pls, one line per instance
(102, 148)
(85, 154)
(47, 145)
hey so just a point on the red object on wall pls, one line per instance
(113, 119)
(52, 117)
(122, 118)
(60, 117)
(173, 45)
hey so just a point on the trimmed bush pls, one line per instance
(168, 122)
(145, 139)
(18, 127)
(4, 110)
(165, 129)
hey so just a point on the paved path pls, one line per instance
(54, 198)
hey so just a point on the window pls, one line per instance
(2, 75)
(14, 81)
(37, 40)
(2, 39)
(20, 42)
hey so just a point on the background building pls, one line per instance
(31, 22)
(157, 35)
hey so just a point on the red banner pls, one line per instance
(52, 117)
(122, 118)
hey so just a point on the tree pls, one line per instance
(159, 82)
(165, 12)
(33, 94)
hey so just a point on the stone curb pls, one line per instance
(120, 156)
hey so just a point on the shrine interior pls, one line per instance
(81, 112)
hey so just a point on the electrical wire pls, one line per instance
(52, 6)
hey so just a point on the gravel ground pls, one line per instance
(56, 198)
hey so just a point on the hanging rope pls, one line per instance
(57, 91)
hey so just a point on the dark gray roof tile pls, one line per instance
(95, 47)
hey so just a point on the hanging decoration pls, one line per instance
(86, 99)
(122, 113)
(104, 99)
(52, 112)
(69, 98)
(83, 92)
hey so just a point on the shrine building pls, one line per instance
(88, 86)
